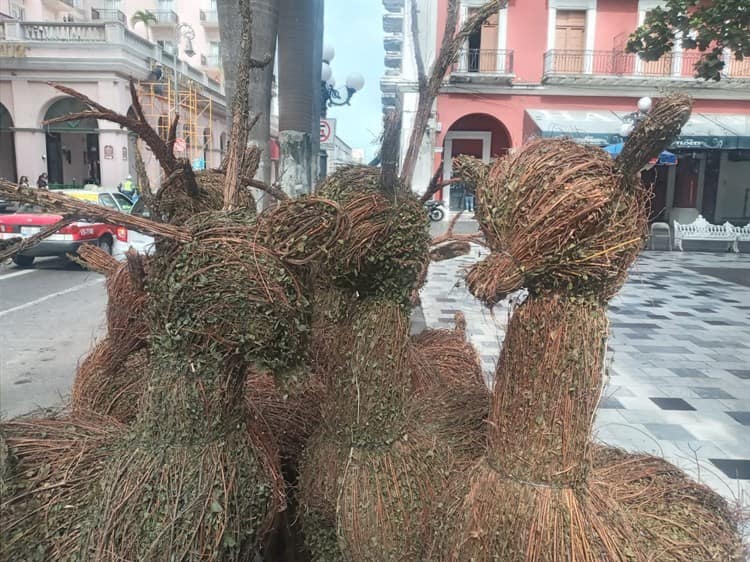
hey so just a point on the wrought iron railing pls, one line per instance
(209, 16)
(618, 63)
(166, 16)
(484, 61)
(105, 14)
(211, 60)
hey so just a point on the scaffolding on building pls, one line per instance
(160, 102)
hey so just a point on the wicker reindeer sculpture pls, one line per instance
(565, 222)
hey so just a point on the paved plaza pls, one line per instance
(678, 358)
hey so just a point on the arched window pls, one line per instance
(72, 146)
(7, 147)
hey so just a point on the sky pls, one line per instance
(355, 29)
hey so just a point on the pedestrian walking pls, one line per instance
(41, 181)
(24, 181)
(469, 201)
(127, 187)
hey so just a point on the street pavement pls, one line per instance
(678, 358)
(50, 316)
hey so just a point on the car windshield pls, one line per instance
(140, 210)
(27, 208)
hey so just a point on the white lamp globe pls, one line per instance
(644, 104)
(626, 129)
(328, 52)
(325, 72)
(355, 81)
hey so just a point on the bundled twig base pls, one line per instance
(453, 398)
(45, 500)
(538, 498)
(112, 378)
(110, 382)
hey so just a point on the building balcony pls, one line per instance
(393, 5)
(209, 19)
(103, 14)
(54, 32)
(393, 42)
(117, 49)
(393, 23)
(165, 18)
(211, 61)
(483, 66)
(63, 5)
(562, 66)
(393, 59)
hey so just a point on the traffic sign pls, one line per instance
(180, 145)
(327, 133)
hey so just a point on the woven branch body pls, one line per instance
(547, 386)
(373, 472)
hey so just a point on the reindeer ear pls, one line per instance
(654, 134)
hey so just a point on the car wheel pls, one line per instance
(437, 214)
(105, 243)
(23, 261)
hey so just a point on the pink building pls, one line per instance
(547, 68)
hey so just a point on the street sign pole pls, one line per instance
(327, 140)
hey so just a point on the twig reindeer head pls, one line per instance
(566, 217)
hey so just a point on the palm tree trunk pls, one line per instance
(296, 32)
(230, 29)
(265, 27)
(297, 28)
(317, 57)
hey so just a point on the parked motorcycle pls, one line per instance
(435, 210)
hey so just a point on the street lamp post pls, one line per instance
(632, 120)
(331, 97)
(181, 31)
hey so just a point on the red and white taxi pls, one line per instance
(30, 220)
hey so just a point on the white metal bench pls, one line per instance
(701, 229)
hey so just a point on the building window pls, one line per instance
(483, 45)
(570, 37)
(17, 12)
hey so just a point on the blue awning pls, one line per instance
(704, 131)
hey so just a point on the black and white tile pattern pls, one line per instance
(678, 358)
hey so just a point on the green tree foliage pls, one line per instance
(710, 27)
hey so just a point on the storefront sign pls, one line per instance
(712, 143)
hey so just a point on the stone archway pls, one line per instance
(7, 146)
(73, 147)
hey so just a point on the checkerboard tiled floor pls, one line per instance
(679, 359)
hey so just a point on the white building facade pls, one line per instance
(93, 47)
